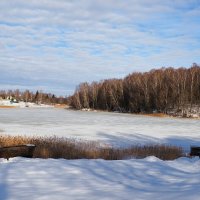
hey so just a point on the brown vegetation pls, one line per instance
(7, 106)
(53, 147)
(156, 115)
(60, 106)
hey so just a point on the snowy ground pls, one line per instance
(148, 179)
(112, 128)
(145, 179)
(22, 104)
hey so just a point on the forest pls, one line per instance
(35, 97)
(159, 90)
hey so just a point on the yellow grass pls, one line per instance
(60, 106)
(155, 114)
(1, 106)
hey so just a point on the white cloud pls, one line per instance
(59, 44)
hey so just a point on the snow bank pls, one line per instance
(146, 179)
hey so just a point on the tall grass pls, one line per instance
(54, 147)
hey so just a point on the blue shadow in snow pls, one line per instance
(122, 140)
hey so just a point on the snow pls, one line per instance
(30, 145)
(141, 179)
(110, 128)
(23, 104)
(147, 179)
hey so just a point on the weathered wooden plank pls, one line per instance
(19, 150)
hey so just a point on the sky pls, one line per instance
(54, 45)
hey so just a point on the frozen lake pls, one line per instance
(112, 128)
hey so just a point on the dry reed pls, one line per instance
(54, 147)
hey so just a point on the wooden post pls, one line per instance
(195, 151)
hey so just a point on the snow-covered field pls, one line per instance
(149, 179)
(112, 128)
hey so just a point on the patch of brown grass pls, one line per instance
(8, 106)
(61, 106)
(54, 147)
(156, 114)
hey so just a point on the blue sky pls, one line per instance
(53, 45)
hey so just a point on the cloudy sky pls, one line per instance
(53, 45)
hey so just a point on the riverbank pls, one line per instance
(154, 114)
(22, 104)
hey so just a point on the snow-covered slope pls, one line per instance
(150, 178)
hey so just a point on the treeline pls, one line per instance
(157, 90)
(38, 97)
